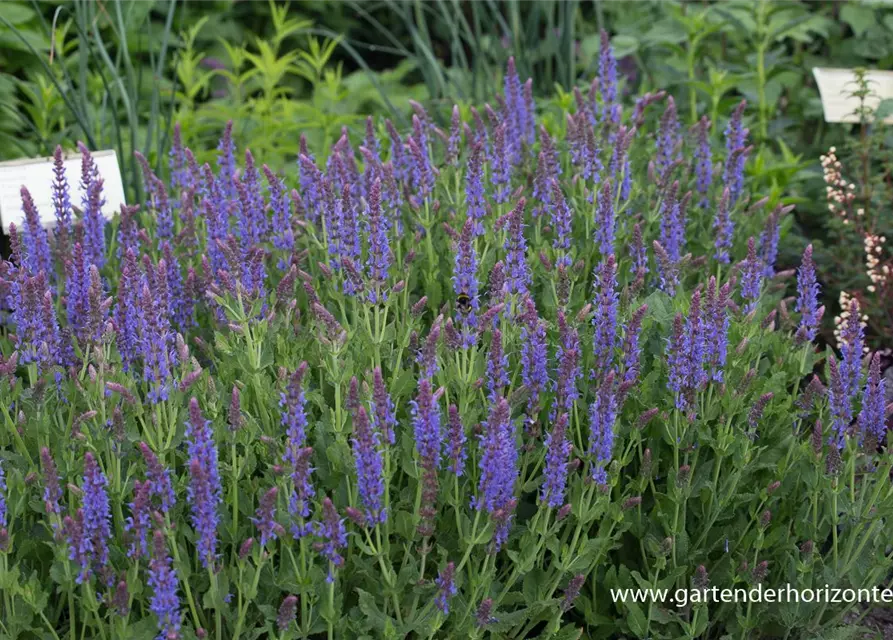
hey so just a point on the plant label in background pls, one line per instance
(836, 87)
(37, 175)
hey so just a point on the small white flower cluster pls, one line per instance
(845, 301)
(877, 273)
(840, 193)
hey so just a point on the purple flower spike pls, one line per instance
(695, 342)
(158, 479)
(605, 223)
(673, 222)
(126, 312)
(677, 361)
(97, 513)
(455, 139)
(79, 549)
(426, 423)
(808, 297)
(500, 164)
(446, 587)
(568, 356)
(155, 337)
(497, 366)
(52, 491)
(534, 361)
(334, 537)
(34, 238)
(137, 524)
(736, 153)
(280, 203)
(205, 492)
(703, 159)
(3, 508)
(226, 163)
(61, 206)
(165, 603)
(607, 77)
(852, 344)
(383, 417)
(667, 139)
(456, 451)
(547, 170)
(602, 416)
(716, 319)
(751, 276)
(297, 454)
(423, 172)
(607, 300)
(499, 470)
(572, 591)
(265, 517)
(562, 218)
(631, 349)
(465, 284)
(519, 277)
(840, 404)
(872, 417)
(474, 189)
(287, 613)
(724, 228)
(558, 450)
(310, 179)
(369, 466)
(91, 204)
(638, 252)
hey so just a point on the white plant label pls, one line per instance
(837, 85)
(37, 175)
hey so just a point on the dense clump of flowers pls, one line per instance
(225, 279)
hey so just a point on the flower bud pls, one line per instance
(700, 579)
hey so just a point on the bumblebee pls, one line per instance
(463, 302)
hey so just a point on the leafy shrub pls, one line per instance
(460, 384)
(273, 90)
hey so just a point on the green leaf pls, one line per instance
(624, 45)
(18, 13)
(635, 618)
(858, 16)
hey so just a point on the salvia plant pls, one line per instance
(445, 384)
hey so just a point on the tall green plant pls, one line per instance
(458, 46)
(110, 100)
(272, 90)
